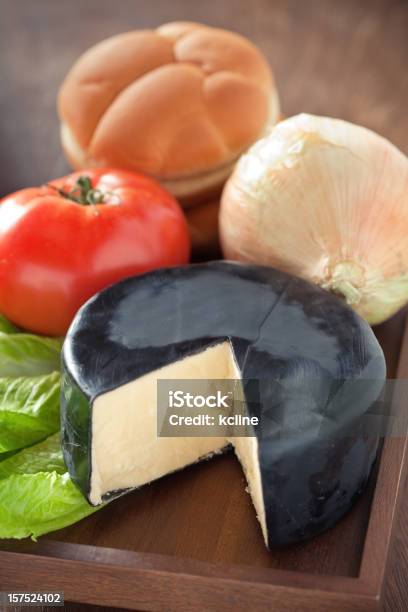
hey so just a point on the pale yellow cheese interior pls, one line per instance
(126, 450)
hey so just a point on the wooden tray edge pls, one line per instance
(389, 486)
(87, 574)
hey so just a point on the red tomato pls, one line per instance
(63, 242)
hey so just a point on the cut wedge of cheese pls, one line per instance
(142, 456)
(318, 370)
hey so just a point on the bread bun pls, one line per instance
(180, 103)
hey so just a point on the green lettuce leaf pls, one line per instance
(6, 327)
(29, 410)
(34, 504)
(28, 355)
(36, 492)
(43, 457)
(4, 456)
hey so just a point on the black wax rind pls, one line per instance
(318, 365)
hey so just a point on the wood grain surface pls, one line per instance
(344, 58)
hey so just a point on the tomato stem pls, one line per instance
(83, 193)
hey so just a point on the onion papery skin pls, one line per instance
(325, 200)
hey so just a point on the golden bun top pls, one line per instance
(177, 101)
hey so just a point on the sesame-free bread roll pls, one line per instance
(180, 103)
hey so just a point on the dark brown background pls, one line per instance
(345, 58)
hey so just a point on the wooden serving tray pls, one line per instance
(191, 541)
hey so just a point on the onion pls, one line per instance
(328, 201)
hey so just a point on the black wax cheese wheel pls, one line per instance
(318, 366)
